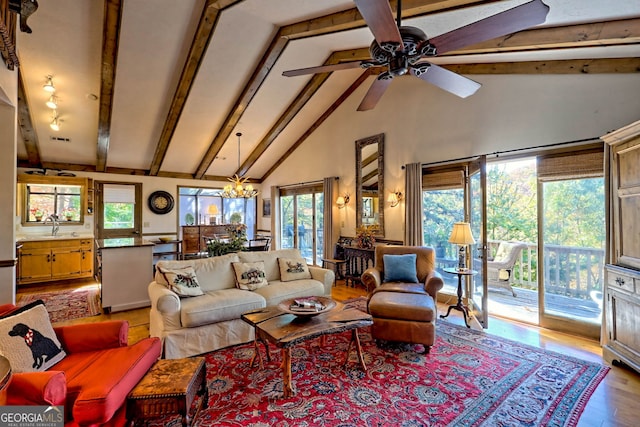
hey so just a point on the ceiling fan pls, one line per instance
(402, 49)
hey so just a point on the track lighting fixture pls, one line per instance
(55, 123)
(48, 86)
(52, 102)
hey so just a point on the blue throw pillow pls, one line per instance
(400, 268)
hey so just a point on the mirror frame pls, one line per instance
(360, 144)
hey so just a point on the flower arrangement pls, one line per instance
(365, 236)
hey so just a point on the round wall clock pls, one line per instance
(161, 202)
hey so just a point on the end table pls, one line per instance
(461, 272)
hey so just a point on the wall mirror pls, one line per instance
(370, 182)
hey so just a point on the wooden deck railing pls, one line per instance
(568, 270)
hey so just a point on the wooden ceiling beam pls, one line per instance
(351, 18)
(201, 39)
(260, 73)
(328, 112)
(110, 39)
(570, 66)
(28, 133)
(316, 81)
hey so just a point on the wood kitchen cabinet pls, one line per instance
(621, 325)
(56, 259)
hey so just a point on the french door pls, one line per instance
(302, 221)
(477, 214)
(453, 193)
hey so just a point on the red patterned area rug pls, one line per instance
(469, 378)
(67, 304)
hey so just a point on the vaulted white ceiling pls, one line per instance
(153, 45)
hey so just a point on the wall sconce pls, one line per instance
(52, 102)
(342, 201)
(394, 198)
(55, 123)
(48, 86)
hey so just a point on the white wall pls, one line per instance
(8, 111)
(422, 123)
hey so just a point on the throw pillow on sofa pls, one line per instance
(250, 275)
(27, 339)
(182, 281)
(293, 269)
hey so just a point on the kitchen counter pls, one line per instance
(125, 271)
(48, 236)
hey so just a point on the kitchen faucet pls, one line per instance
(55, 225)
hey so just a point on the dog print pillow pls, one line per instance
(27, 339)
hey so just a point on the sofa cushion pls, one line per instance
(98, 381)
(249, 275)
(270, 258)
(213, 273)
(27, 339)
(278, 291)
(182, 281)
(218, 306)
(400, 268)
(293, 269)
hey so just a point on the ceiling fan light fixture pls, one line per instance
(48, 86)
(52, 102)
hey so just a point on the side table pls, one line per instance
(461, 272)
(169, 387)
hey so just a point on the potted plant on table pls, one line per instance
(235, 242)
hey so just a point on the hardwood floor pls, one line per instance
(614, 403)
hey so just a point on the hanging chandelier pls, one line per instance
(238, 189)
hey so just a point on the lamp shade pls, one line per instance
(461, 234)
(213, 210)
(340, 202)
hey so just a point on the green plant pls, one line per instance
(189, 219)
(235, 243)
(235, 218)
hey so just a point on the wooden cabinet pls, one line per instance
(47, 260)
(193, 237)
(621, 326)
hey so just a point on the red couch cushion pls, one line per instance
(98, 381)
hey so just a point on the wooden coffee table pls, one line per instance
(169, 388)
(287, 330)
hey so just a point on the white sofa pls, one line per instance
(194, 325)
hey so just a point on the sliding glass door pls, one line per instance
(301, 214)
(572, 230)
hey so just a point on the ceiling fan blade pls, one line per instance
(379, 18)
(445, 79)
(322, 69)
(507, 22)
(375, 92)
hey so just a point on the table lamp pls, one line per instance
(213, 211)
(461, 236)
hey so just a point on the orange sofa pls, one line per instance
(93, 380)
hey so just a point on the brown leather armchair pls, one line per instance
(404, 311)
